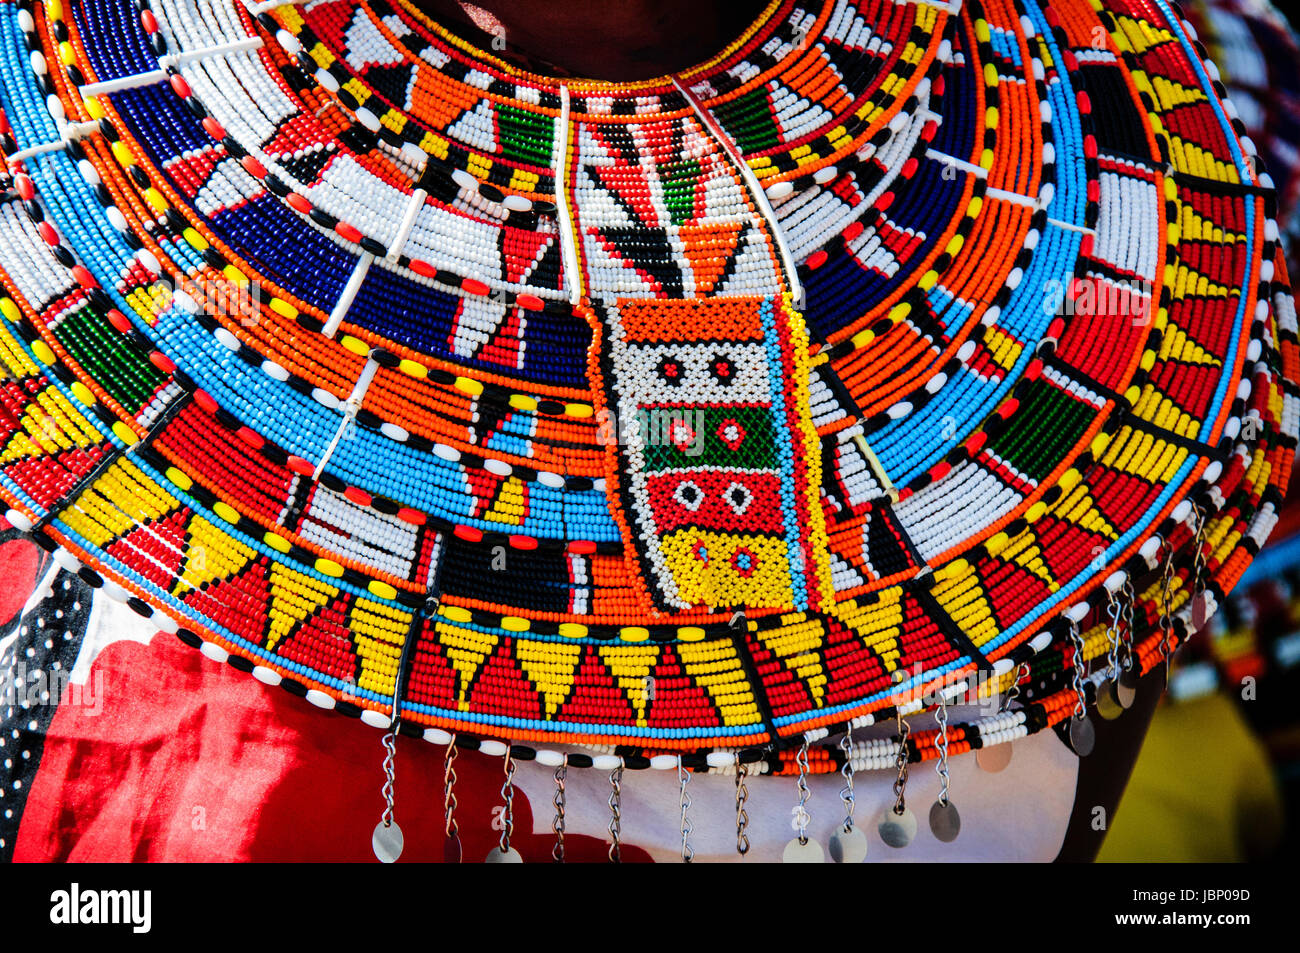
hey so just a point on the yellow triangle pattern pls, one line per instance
(1189, 282)
(50, 425)
(510, 505)
(1170, 94)
(1156, 408)
(551, 667)
(879, 624)
(631, 666)
(467, 650)
(294, 597)
(1145, 455)
(715, 667)
(15, 357)
(379, 632)
(209, 554)
(962, 597)
(1177, 344)
(1080, 509)
(1141, 34)
(1193, 226)
(1025, 552)
(119, 501)
(22, 447)
(797, 644)
(1199, 161)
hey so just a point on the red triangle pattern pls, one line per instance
(1010, 600)
(785, 692)
(1067, 549)
(432, 679)
(322, 642)
(484, 485)
(293, 133)
(679, 701)
(503, 346)
(47, 480)
(192, 171)
(156, 549)
(501, 688)
(853, 671)
(238, 603)
(596, 696)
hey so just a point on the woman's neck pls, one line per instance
(620, 40)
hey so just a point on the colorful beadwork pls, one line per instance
(716, 411)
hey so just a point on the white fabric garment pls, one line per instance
(1018, 814)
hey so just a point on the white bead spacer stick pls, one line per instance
(560, 160)
(405, 225)
(350, 409)
(348, 296)
(978, 171)
(165, 61)
(1014, 198)
(71, 133)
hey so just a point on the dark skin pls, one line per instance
(620, 40)
(627, 40)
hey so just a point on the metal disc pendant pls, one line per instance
(451, 852)
(897, 830)
(848, 847)
(809, 852)
(387, 842)
(1082, 735)
(1108, 705)
(994, 758)
(1126, 689)
(945, 822)
(1200, 611)
(498, 856)
(1130, 678)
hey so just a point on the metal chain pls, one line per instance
(742, 816)
(684, 801)
(846, 792)
(941, 742)
(1166, 613)
(1115, 610)
(390, 773)
(900, 762)
(802, 817)
(449, 787)
(1198, 572)
(1013, 692)
(1076, 671)
(615, 812)
(508, 795)
(1126, 637)
(557, 825)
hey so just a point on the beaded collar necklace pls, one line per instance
(691, 423)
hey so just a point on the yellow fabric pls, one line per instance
(1202, 790)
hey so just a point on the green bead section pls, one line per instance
(525, 137)
(1049, 423)
(755, 447)
(750, 119)
(105, 355)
